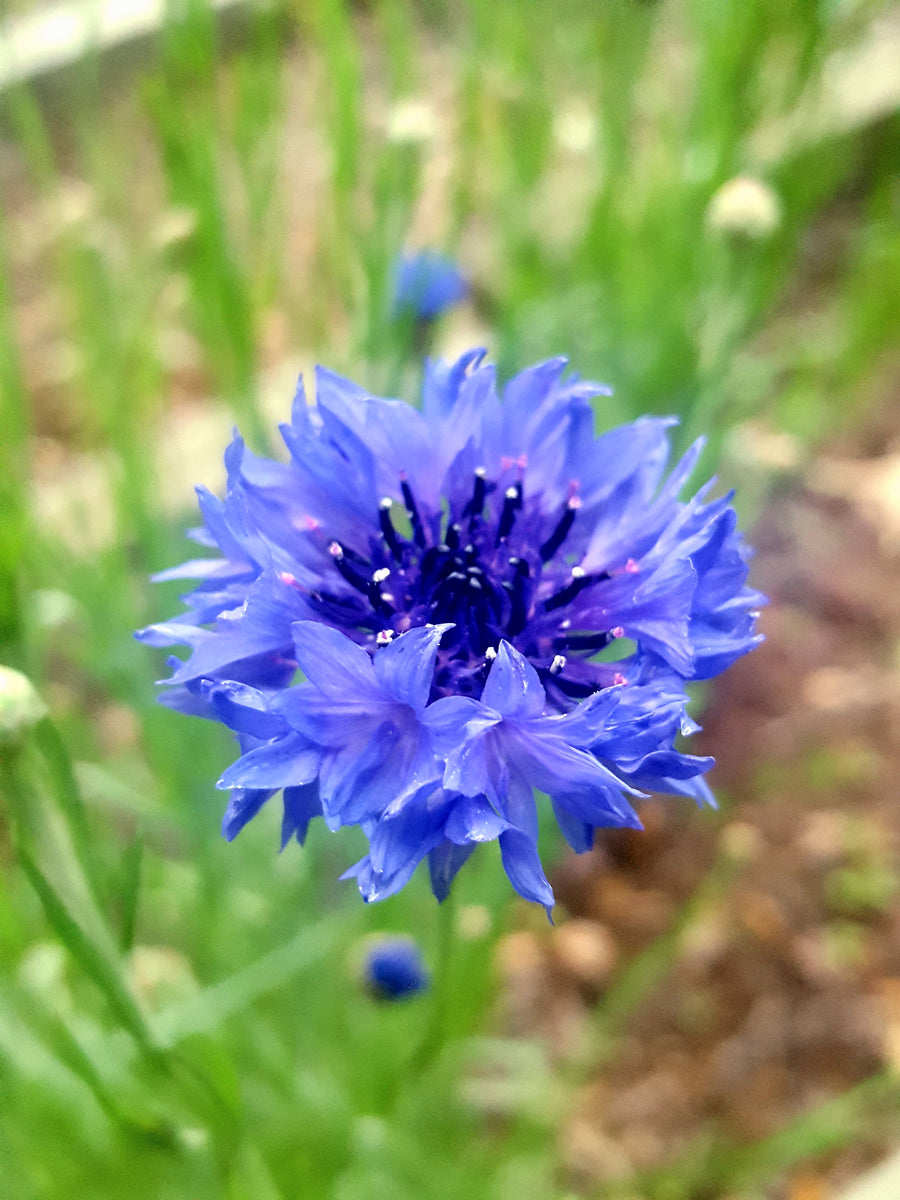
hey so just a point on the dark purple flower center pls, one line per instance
(483, 569)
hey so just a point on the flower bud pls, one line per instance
(744, 207)
(20, 706)
(426, 284)
(393, 969)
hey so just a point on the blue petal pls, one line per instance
(410, 833)
(374, 886)
(334, 664)
(552, 764)
(655, 614)
(286, 762)
(243, 805)
(405, 667)
(513, 687)
(196, 568)
(578, 833)
(443, 382)
(472, 819)
(600, 807)
(478, 767)
(522, 399)
(523, 866)
(444, 861)
(378, 777)
(261, 626)
(301, 804)
(455, 720)
(393, 431)
(244, 709)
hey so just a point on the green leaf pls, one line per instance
(96, 963)
(205, 1011)
(132, 861)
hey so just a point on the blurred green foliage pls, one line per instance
(179, 1017)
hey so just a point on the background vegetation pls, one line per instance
(179, 1017)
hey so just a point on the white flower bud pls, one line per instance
(746, 207)
(20, 706)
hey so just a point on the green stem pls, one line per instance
(65, 790)
(436, 1029)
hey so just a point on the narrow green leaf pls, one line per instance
(132, 862)
(68, 796)
(59, 1038)
(92, 958)
(208, 1009)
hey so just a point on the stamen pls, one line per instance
(479, 494)
(580, 581)
(388, 532)
(512, 502)
(581, 641)
(384, 637)
(515, 589)
(432, 560)
(559, 661)
(357, 559)
(412, 511)
(381, 574)
(573, 688)
(561, 532)
(380, 600)
(454, 534)
(353, 577)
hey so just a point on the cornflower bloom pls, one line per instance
(483, 598)
(393, 969)
(426, 284)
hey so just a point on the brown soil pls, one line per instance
(782, 989)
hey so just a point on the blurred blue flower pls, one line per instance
(393, 969)
(426, 284)
(445, 581)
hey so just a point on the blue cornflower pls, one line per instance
(483, 598)
(426, 284)
(393, 969)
